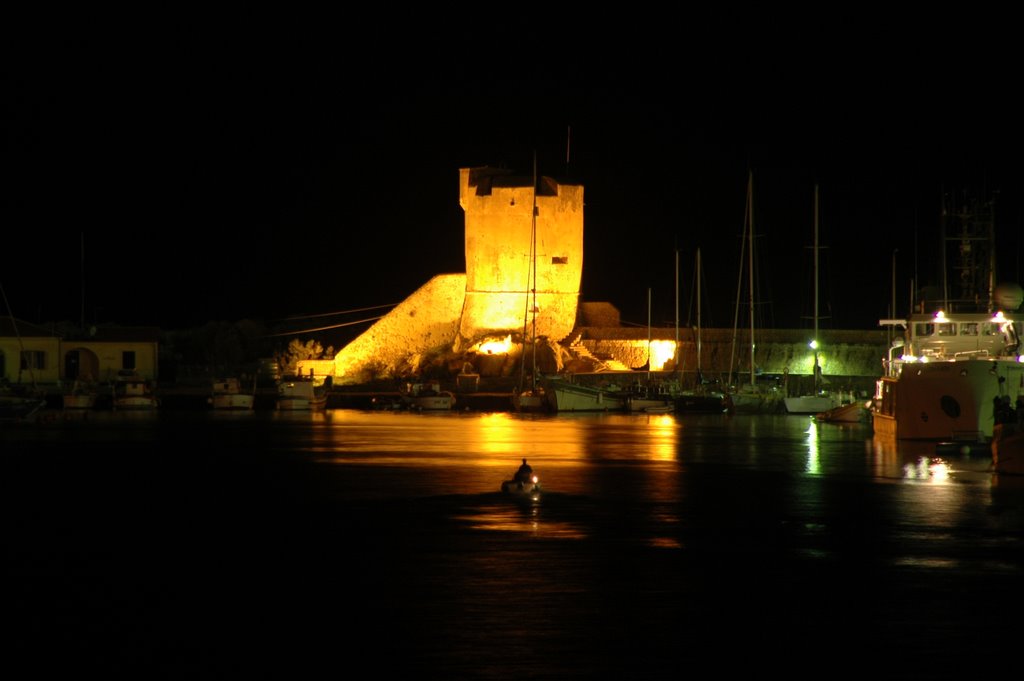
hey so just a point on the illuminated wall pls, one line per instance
(425, 322)
(499, 229)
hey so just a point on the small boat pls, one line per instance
(133, 392)
(428, 396)
(301, 393)
(703, 401)
(81, 395)
(568, 396)
(227, 394)
(649, 399)
(854, 412)
(524, 483)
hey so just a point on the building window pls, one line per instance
(128, 359)
(560, 260)
(33, 359)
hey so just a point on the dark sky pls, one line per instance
(214, 177)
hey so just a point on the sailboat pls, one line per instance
(700, 398)
(818, 401)
(532, 398)
(648, 397)
(749, 397)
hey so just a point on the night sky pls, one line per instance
(213, 177)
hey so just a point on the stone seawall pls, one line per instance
(849, 359)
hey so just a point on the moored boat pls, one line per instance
(959, 357)
(568, 396)
(133, 392)
(227, 394)
(301, 393)
(81, 395)
(428, 396)
(852, 412)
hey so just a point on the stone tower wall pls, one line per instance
(499, 227)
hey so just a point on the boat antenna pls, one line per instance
(568, 141)
(83, 280)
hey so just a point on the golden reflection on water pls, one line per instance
(466, 453)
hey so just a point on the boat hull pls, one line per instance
(233, 401)
(854, 412)
(432, 402)
(809, 404)
(79, 401)
(135, 403)
(572, 397)
(523, 489)
(702, 403)
(531, 401)
(300, 395)
(649, 405)
(949, 400)
(17, 407)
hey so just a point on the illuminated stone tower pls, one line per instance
(500, 259)
(452, 312)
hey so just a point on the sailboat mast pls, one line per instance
(750, 273)
(677, 353)
(699, 374)
(648, 335)
(815, 338)
(82, 282)
(533, 269)
(531, 283)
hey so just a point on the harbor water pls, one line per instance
(185, 545)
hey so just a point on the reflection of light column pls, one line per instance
(813, 465)
(502, 435)
(663, 436)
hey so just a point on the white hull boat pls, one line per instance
(133, 393)
(227, 394)
(810, 404)
(428, 397)
(573, 397)
(301, 394)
